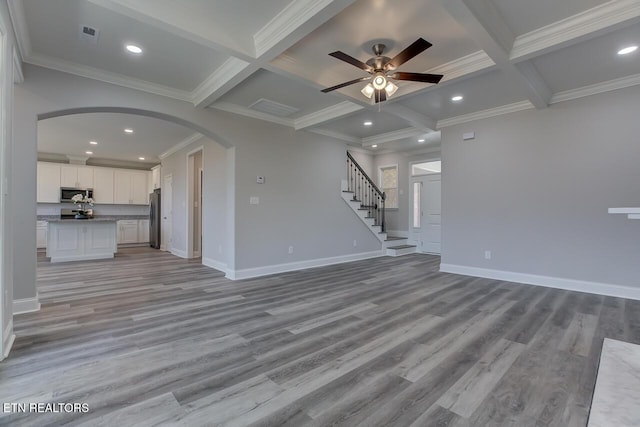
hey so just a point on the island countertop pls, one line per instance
(99, 218)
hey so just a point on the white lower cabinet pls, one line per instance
(143, 231)
(133, 231)
(41, 234)
(128, 231)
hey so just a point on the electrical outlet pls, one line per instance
(487, 254)
(290, 249)
(355, 243)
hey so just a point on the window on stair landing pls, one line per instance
(389, 184)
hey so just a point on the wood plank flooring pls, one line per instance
(151, 339)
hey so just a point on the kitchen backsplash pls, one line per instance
(54, 209)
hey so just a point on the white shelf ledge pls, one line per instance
(632, 213)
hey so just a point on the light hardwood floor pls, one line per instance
(151, 339)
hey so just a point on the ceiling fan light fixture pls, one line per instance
(390, 88)
(379, 81)
(368, 90)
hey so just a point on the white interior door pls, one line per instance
(167, 210)
(431, 207)
(425, 228)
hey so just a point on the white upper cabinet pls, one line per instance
(103, 185)
(155, 178)
(48, 181)
(130, 187)
(76, 176)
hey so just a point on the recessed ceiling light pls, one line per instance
(140, 158)
(127, 130)
(421, 140)
(368, 123)
(457, 98)
(627, 50)
(89, 152)
(93, 143)
(133, 48)
(374, 146)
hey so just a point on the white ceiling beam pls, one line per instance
(333, 112)
(412, 117)
(19, 22)
(396, 135)
(485, 25)
(295, 21)
(233, 72)
(243, 111)
(586, 25)
(337, 135)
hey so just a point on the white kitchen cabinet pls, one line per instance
(143, 231)
(41, 234)
(155, 178)
(75, 176)
(130, 187)
(103, 185)
(48, 183)
(127, 231)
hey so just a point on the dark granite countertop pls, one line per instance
(56, 218)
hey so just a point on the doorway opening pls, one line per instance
(195, 181)
(425, 216)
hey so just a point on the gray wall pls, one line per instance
(214, 199)
(7, 182)
(534, 188)
(300, 201)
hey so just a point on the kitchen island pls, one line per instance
(81, 239)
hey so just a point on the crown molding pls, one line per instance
(559, 33)
(221, 76)
(20, 29)
(462, 66)
(18, 76)
(333, 112)
(180, 145)
(391, 136)
(484, 114)
(243, 111)
(106, 76)
(595, 89)
(286, 22)
(336, 135)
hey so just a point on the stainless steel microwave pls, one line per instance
(66, 193)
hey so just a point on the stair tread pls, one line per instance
(395, 238)
(347, 191)
(402, 247)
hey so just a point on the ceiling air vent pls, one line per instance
(89, 34)
(272, 107)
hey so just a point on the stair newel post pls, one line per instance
(384, 196)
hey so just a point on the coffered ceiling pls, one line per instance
(268, 59)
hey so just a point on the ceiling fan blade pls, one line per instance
(341, 85)
(417, 77)
(351, 60)
(412, 50)
(380, 96)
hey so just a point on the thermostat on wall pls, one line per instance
(260, 179)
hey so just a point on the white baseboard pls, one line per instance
(26, 305)
(248, 273)
(179, 253)
(398, 233)
(8, 338)
(216, 265)
(546, 281)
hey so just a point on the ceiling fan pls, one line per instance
(382, 70)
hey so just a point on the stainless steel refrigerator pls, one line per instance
(154, 219)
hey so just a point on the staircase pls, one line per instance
(367, 201)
